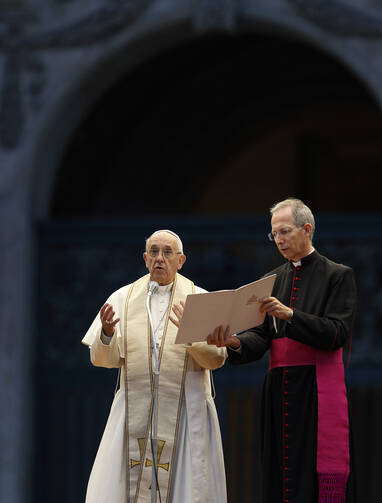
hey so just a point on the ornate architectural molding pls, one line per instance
(20, 48)
(16, 65)
(20, 42)
(99, 23)
(11, 109)
(215, 14)
(341, 18)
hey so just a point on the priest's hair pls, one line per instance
(178, 240)
(300, 212)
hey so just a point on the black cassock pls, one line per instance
(322, 295)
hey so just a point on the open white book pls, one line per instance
(238, 308)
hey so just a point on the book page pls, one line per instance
(246, 311)
(238, 308)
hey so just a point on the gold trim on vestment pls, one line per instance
(173, 362)
(126, 398)
(178, 419)
(146, 437)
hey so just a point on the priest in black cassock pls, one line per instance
(309, 318)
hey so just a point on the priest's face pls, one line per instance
(293, 242)
(163, 258)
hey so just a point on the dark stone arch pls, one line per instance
(83, 90)
(184, 124)
(169, 126)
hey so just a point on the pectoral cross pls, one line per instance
(141, 443)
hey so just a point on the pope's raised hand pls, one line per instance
(107, 319)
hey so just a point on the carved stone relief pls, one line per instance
(342, 17)
(19, 39)
(20, 46)
(215, 14)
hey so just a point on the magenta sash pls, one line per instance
(333, 421)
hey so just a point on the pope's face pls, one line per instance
(293, 242)
(162, 258)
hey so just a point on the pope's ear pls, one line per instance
(144, 255)
(182, 260)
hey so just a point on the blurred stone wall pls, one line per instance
(56, 58)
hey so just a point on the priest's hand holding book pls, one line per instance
(273, 307)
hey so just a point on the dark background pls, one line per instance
(203, 140)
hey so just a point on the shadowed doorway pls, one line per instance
(224, 125)
(202, 139)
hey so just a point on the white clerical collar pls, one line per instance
(298, 263)
(162, 289)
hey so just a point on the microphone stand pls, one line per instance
(154, 481)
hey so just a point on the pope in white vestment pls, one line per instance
(190, 456)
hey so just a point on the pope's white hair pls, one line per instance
(178, 240)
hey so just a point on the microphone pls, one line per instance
(152, 287)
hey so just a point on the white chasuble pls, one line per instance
(190, 464)
(138, 371)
